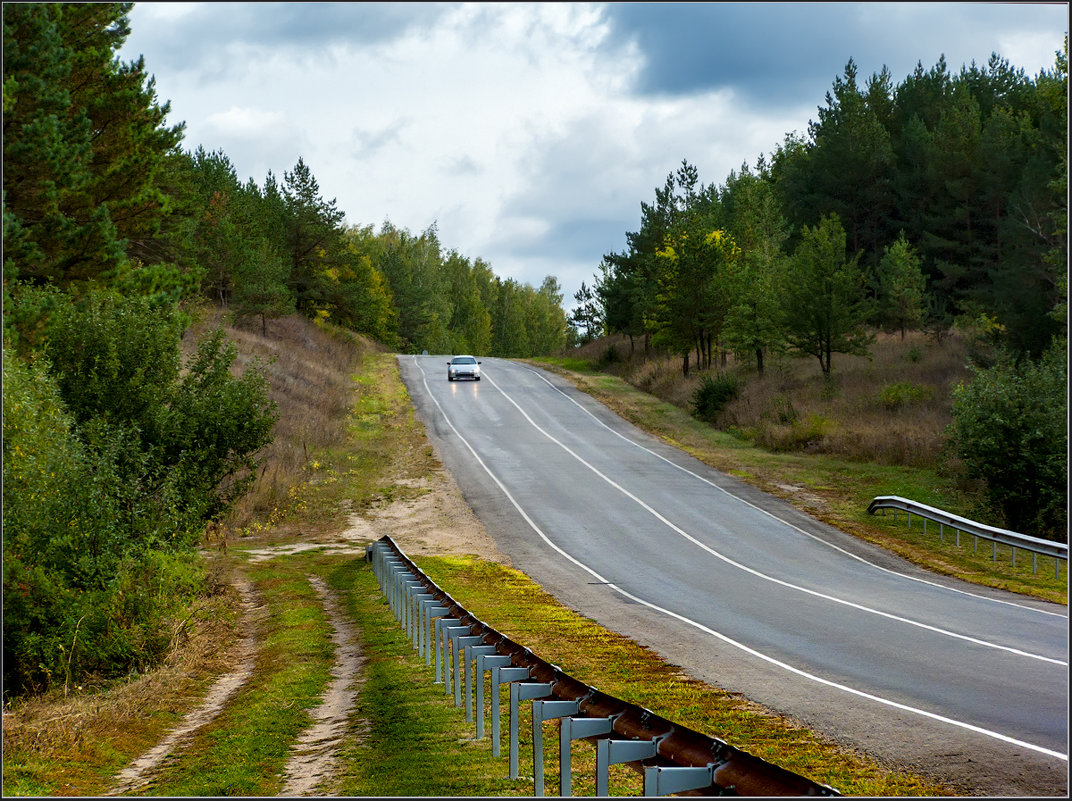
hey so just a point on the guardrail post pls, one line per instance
(501, 675)
(522, 691)
(461, 663)
(391, 564)
(613, 752)
(487, 662)
(440, 624)
(541, 711)
(409, 588)
(450, 633)
(416, 596)
(667, 780)
(576, 729)
(430, 611)
(471, 653)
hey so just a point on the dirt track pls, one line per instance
(438, 521)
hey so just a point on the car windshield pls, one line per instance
(463, 360)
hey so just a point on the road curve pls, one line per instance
(746, 592)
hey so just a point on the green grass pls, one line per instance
(834, 490)
(417, 742)
(407, 738)
(414, 742)
(243, 751)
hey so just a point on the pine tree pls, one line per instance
(84, 143)
(825, 307)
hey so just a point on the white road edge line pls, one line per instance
(782, 521)
(712, 632)
(681, 532)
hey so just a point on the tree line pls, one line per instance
(117, 451)
(940, 198)
(937, 202)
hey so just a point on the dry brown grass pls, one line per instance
(310, 370)
(76, 743)
(793, 408)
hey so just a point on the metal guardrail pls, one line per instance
(462, 649)
(1036, 546)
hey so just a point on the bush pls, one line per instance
(114, 460)
(609, 356)
(1009, 429)
(808, 435)
(903, 393)
(182, 445)
(79, 595)
(711, 397)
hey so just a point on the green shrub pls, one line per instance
(113, 462)
(783, 410)
(903, 393)
(711, 397)
(609, 356)
(806, 435)
(182, 445)
(1009, 429)
(79, 594)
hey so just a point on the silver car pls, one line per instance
(463, 367)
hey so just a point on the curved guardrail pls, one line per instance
(463, 649)
(1057, 550)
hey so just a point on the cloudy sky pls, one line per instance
(530, 133)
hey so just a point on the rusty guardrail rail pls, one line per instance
(1036, 546)
(463, 650)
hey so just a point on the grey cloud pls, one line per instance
(772, 53)
(464, 165)
(200, 36)
(367, 142)
(585, 240)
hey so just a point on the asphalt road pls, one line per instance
(744, 591)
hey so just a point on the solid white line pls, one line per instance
(786, 522)
(712, 632)
(678, 530)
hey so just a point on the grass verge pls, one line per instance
(243, 751)
(836, 491)
(74, 746)
(511, 603)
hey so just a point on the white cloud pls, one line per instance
(244, 122)
(517, 128)
(1031, 50)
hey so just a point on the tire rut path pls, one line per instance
(144, 769)
(315, 753)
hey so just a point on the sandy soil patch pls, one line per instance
(314, 755)
(438, 522)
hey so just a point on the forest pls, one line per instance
(937, 204)
(922, 205)
(117, 453)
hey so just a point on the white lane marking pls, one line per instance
(681, 532)
(786, 522)
(718, 635)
